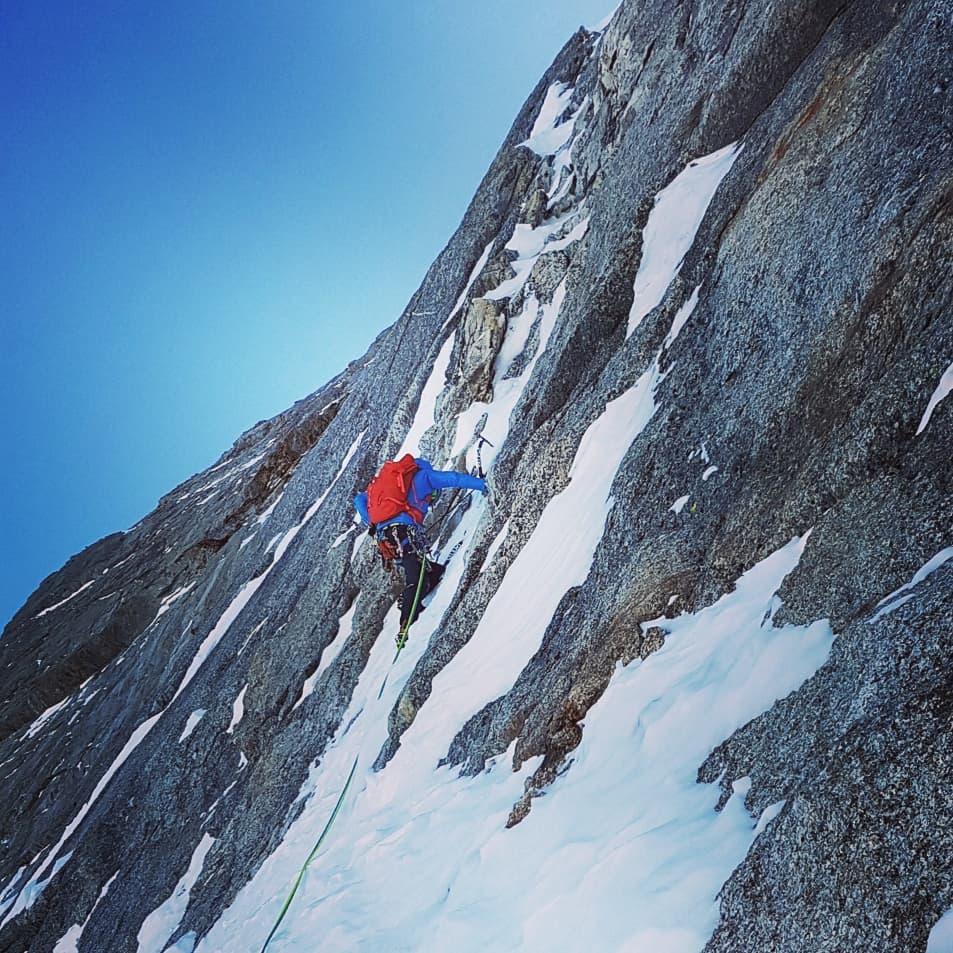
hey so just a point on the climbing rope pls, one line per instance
(402, 635)
(311, 856)
(401, 642)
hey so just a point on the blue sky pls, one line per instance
(209, 209)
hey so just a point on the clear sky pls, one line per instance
(208, 209)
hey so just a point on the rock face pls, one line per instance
(793, 341)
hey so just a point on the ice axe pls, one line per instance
(480, 441)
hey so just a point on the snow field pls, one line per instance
(625, 851)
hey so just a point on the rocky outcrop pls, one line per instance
(784, 357)
(116, 587)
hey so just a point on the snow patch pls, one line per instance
(896, 598)
(941, 936)
(495, 545)
(681, 318)
(69, 942)
(70, 597)
(427, 407)
(530, 244)
(39, 723)
(159, 926)
(192, 723)
(219, 629)
(506, 393)
(942, 390)
(513, 624)
(517, 334)
(328, 656)
(287, 538)
(253, 633)
(549, 135)
(679, 504)
(263, 516)
(9, 892)
(34, 886)
(342, 537)
(768, 815)
(477, 268)
(169, 600)
(238, 711)
(672, 225)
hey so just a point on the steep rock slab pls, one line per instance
(754, 364)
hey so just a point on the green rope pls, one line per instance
(311, 856)
(402, 638)
(401, 642)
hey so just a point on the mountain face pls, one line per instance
(686, 683)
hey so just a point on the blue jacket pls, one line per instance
(427, 480)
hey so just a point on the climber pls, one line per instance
(394, 505)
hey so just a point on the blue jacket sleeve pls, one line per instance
(448, 479)
(360, 504)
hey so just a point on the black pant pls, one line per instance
(411, 562)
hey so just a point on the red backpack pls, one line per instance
(387, 492)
